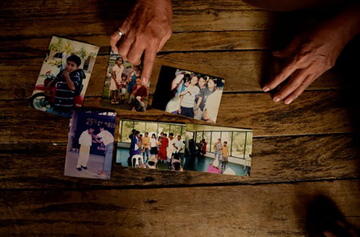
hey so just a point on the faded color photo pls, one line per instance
(179, 147)
(90, 144)
(64, 76)
(188, 93)
(123, 88)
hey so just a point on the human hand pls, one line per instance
(65, 73)
(308, 56)
(179, 111)
(146, 30)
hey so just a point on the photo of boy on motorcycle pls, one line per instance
(68, 85)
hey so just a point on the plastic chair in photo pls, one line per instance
(152, 163)
(137, 161)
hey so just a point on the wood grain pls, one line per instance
(101, 17)
(313, 113)
(267, 210)
(242, 70)
(275, 160)
(184, 41)
(299, 151)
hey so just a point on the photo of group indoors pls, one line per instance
(90, 144)
(219, 150)
(123, 87)
(64, 76)
(151, 145)
(179, 147)
(188, 93)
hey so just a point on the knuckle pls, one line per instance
(113, 37)
(122, 53)
(133, 59)
(294, 85)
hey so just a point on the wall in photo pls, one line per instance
(179, 147)
(90, 144)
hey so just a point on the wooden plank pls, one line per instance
(275, 159)
(34, 6)
(242, 71)
(185, 41)
(313, 113)
(30, 18)
(267, 210)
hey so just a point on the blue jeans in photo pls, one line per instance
(146, 154)
(108, 157)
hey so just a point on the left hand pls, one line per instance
(308, 56)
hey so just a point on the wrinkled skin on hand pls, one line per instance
(146, 30)
(314, 52)
(308, 56)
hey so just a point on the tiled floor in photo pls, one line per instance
(196, 164)
(95, 164)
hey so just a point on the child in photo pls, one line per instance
(68, 85)
(116, 79)
(61, 84)
(135, 73)
(123, 87)
(225, 155)
(187, 98)
(121, 90)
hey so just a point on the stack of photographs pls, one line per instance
(60, 89)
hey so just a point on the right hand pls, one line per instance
(146, 30)
(179, 111)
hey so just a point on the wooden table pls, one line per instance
(300, 150)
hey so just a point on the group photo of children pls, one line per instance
(90, 144)
(178, 147)
(64, 76)
(123, 87)
(188, 93)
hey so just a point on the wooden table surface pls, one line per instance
(301, 150)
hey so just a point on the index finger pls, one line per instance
(114, 39)
(149, 59)
(281, 76)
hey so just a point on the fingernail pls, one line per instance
(288, 101)
(266, 89)
(276, 99)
